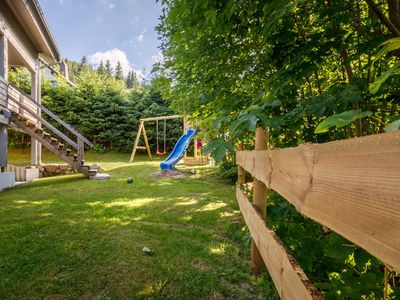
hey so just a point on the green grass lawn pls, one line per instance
(71, 238)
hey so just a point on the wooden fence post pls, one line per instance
(259, 199)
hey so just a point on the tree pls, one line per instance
(109, 69)
(131, 80)
(266, 63)
(101, 69)
(119, 74)
(300, 68)
(84, 64)
(105, 111)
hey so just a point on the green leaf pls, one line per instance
(341, 120)
(274, 102)
(218, 149)
(376, 85)
(351, 94)
(211, 16)
(245, 122)
(388, 46)
(392, 126)
(220, 121)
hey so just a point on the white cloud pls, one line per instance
(138, 38)
(108, 3)
(63, 2)
(114, 56)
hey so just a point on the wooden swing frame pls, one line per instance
(142, 130)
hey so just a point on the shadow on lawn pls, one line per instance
(68, 237)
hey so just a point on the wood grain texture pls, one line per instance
(351, 186)
(288, 277)
(3, 93)
(259, 197)
(241, 172)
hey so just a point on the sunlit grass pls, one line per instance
(70, 238)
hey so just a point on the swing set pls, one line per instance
(142, 130)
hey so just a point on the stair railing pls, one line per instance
(20, 102)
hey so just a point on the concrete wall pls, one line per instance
(7, 180)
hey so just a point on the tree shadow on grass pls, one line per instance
(73, 238)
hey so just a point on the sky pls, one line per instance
(117, 30)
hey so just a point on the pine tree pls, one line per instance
(119, 74)
(131, 80)
(84, 64)
(128, 81)
(134, 79)
(84, 61)
(101, 70)
(109, 69)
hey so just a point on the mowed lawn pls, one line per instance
(68, 237)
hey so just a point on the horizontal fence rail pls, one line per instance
(351, 186)
(289, 278)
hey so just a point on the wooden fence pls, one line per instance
(350, 186)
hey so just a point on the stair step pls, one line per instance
(90, 173)
(60, 146)
(29, 123)
(38, 130)
(86, 167)
(46, 135)
(53, 141)
(62, 151)
(67, 151)
(21, 118)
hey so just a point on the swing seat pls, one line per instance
(161, 153)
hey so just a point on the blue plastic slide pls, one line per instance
(179, 150)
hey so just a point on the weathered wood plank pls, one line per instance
(292, 173)
(162, 118)
(289, 278)
(259, 197)
(351, 186)
(257, 163)
(356, 192)
(136, 141)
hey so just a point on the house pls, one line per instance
(26, 40)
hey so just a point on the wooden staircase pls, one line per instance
(26, 115)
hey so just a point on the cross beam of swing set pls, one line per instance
(142, 130)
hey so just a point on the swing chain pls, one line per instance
(165, 138)
(158, 150)
(165, 135)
